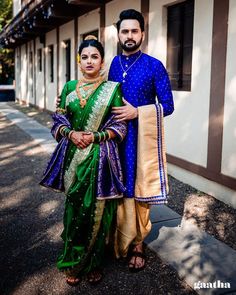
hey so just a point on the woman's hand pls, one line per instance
(81, 139)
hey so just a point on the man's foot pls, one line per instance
(72, 281)
(94, 276)
(138, 259)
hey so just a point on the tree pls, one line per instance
(6, 55)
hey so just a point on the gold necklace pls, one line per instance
(85, 88)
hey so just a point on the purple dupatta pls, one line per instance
(110, 179)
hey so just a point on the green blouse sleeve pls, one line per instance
(63, 95)
(68, 87)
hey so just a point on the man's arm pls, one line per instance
(163, 89)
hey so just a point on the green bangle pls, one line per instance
(96, 137)
(102, 135)
(66, 131)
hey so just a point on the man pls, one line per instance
(142, 78)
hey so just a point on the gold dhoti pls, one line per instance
(133, 225)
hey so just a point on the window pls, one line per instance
(67, 59)
(39, 55)
(51, 63)
(179, 44)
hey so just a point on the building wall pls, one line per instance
(18, 73)
(16, 6)
(229, 131)
(30, 73)
(51, 89)
(66, 32)
(23, 72)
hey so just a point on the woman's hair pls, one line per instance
(131, 14)
(91, 41)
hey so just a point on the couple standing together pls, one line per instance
(110, 188)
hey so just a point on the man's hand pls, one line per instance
(81, 139)
(126, 112)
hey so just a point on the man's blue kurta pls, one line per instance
(146, 80)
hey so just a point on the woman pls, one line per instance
(86, 164)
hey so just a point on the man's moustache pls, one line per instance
(130, 41)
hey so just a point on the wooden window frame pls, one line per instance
(180, 19)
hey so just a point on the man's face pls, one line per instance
(130, 35)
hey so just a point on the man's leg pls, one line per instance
(126, 226)
(143, 225)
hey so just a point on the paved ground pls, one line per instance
(30, 227)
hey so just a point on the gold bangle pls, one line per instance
(70, 133)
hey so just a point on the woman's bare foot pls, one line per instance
(138, 258)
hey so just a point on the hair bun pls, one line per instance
(90, 37)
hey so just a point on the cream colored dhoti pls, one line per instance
(133, 225)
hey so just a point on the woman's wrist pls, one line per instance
(66, 132)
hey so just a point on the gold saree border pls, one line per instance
(151, 180)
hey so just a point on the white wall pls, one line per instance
(113, 10)
(30, 73)
(51, 87)
(23, 74)
(16, 6)
(187, 128)
(87, 23)
(229, 133)
(18, 73)
(66, 32)
(39, 76)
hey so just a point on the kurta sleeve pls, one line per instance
(163, 89)
(111, 76)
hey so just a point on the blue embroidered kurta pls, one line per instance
(146, 79)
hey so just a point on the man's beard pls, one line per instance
(131, 48)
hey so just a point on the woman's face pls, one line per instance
(90, 62)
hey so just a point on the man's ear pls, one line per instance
(143, 35)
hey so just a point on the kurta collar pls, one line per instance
(131, 57)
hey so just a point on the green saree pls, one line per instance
(87, 219)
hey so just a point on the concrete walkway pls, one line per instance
(206, 264)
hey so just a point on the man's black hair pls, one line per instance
(131, 14)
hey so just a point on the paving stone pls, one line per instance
(161, 213)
